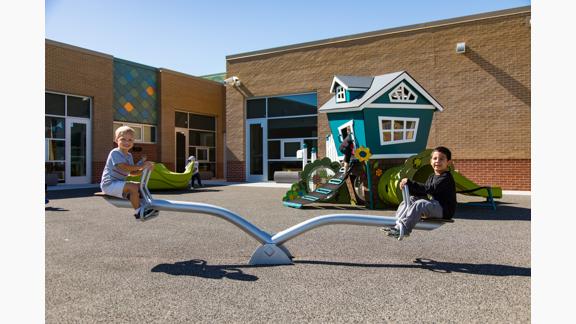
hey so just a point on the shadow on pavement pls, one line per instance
(200, 268)
(503, 211)
(441, 267)
(55, 209)
(71, 193)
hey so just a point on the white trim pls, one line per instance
(406, 78)
(340, 94)
(392, 130)
(392, 156)
(343, 126)
(141, 127)
(401, 106)
(402, 85)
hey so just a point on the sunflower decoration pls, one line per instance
(363, 154)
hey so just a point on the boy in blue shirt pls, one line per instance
(440, 186)
(118, 166)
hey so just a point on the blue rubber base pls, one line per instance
(291, 204)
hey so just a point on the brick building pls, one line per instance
(89, 94)
(485, 92)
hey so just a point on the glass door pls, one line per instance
(256, 151)
(78, 151)
(181, 149)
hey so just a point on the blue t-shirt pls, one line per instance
(111, 171)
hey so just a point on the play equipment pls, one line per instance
(320, 184)
(272, 250)
(418, 168)
(164, 179)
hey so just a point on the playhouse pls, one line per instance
(391, 114)
(389, 117)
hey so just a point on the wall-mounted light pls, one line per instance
(461, 48)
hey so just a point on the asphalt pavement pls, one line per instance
(103, 266)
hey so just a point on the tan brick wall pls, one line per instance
(181, 92)
(76, 71)
(485, 92)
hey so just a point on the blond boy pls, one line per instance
(119, 165)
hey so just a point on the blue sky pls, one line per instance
(194, 37)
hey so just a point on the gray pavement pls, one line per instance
(104, 266)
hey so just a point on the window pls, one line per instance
(201, 138)
(402, 93)
(292, 120)
(142, 133)
(395, 130)
(340, 94)
(67, 105)
(256, 108)
(58, 107)
(292, 105)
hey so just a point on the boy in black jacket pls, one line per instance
(440, 186)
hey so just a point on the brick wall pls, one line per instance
(485, 92)
(508, 174)
(181, 92)
(236, 171)
(77, 71)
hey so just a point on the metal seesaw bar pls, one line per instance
(271, 251)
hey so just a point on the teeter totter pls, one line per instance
(271, 250)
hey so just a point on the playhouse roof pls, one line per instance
(378, 86)
(351, 82)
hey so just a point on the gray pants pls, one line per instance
(418, 208)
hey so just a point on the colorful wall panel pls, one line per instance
(135, 93)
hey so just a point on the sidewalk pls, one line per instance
(220, 182)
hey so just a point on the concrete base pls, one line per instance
(286, 176)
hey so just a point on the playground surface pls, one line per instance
(104, 266)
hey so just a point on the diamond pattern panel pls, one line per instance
(135, 93)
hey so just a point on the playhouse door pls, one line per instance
(256, 150)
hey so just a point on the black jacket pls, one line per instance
(441, 187)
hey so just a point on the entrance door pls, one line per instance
(181, 149)
(256, 150)
(78, 151)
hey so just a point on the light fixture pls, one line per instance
(233, 81)
(460, 47)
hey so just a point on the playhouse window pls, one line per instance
(394, 130)
(340, 94)
(403, 94)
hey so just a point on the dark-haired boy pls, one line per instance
(440, 186)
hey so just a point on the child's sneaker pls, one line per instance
(147, 214)
(398, 231)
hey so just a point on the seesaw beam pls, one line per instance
(271, 251)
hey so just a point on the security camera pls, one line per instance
(233, 81)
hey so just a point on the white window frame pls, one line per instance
(392, 119)
(141, 127)
(340, 94)
(400, 88)
(343, 126)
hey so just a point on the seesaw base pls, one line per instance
(270, 254)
